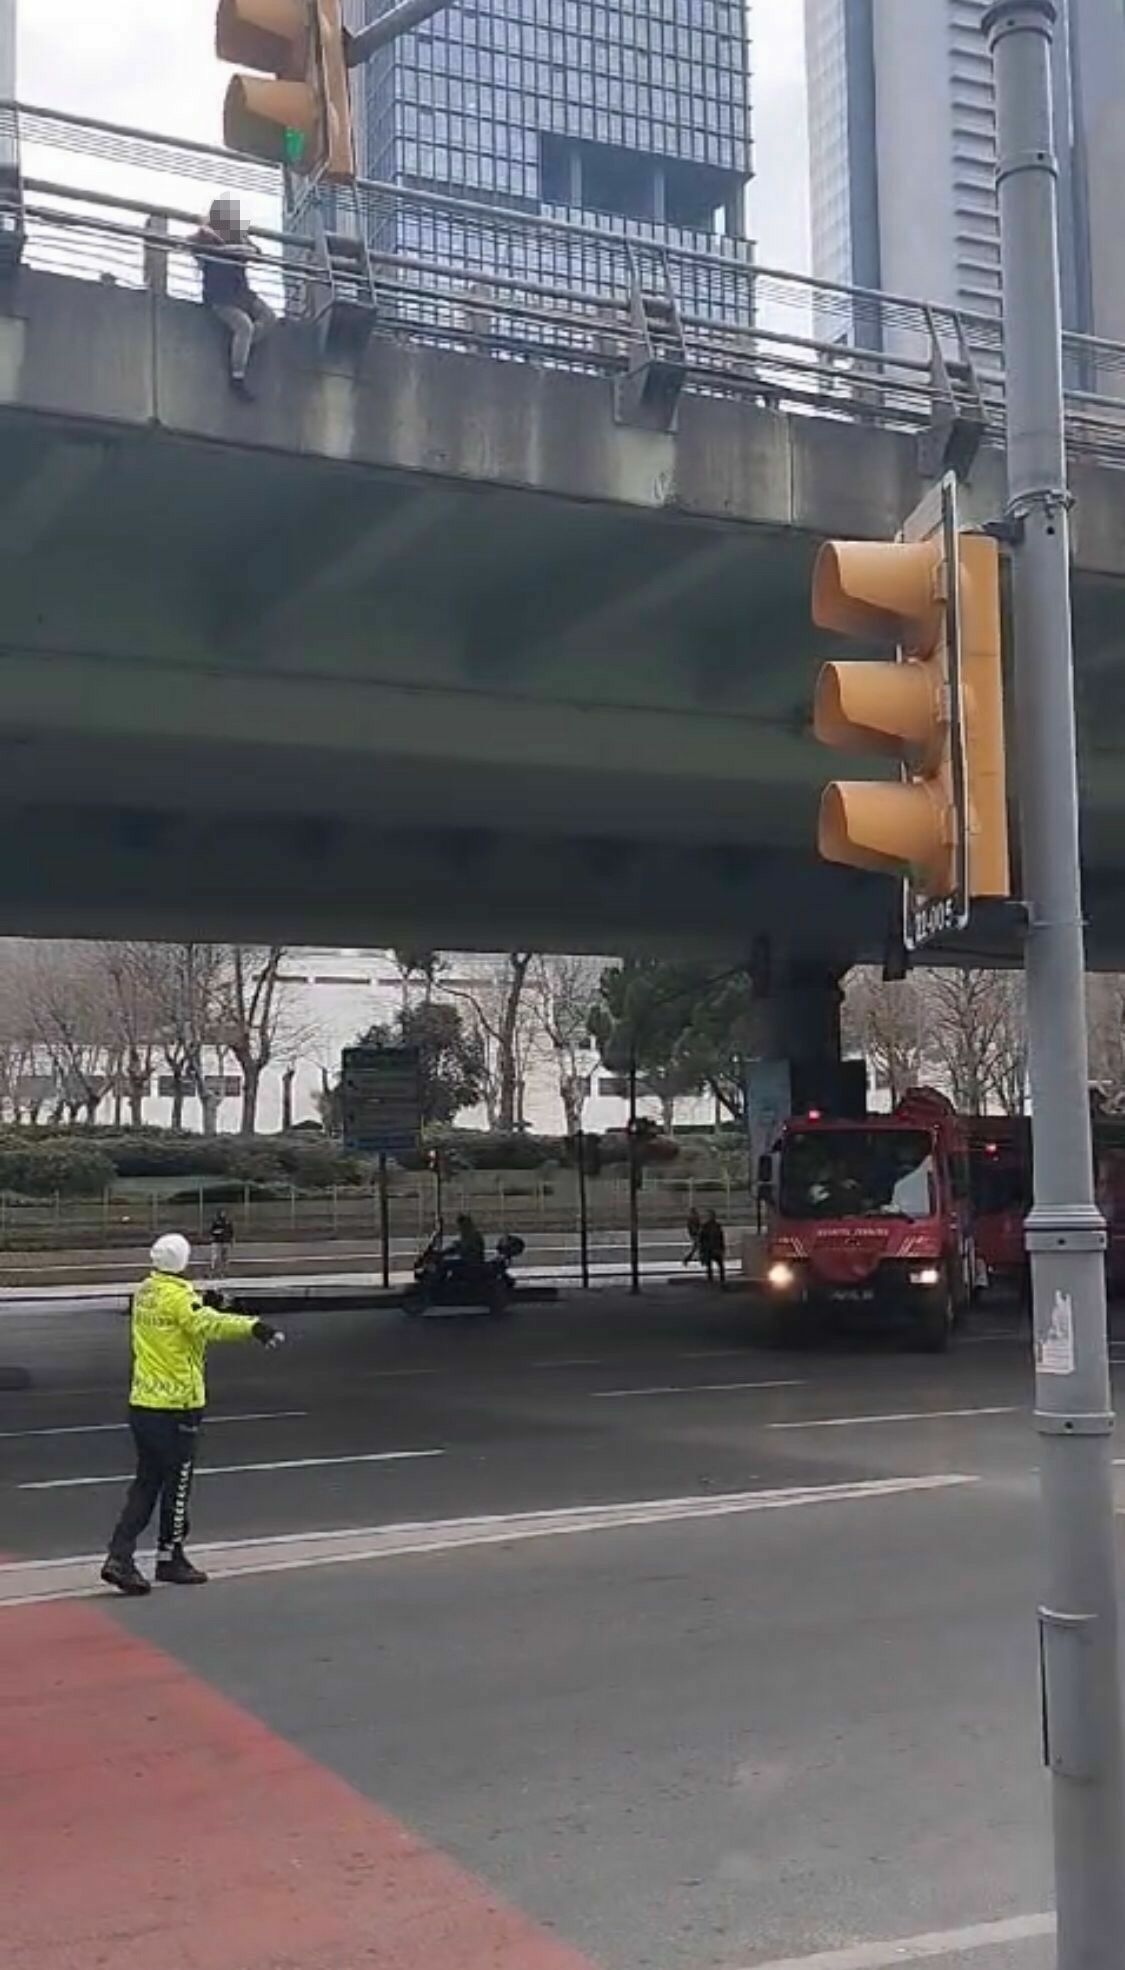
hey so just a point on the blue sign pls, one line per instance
(380, 1100)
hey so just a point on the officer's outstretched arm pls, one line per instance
(208, 1324)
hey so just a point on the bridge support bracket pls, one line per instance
(957, 421)
(648, 395)
(13, 229)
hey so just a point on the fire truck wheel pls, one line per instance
(936, 1320)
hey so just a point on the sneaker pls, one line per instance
(126, 1576)
(178, 1571)
(241, 388)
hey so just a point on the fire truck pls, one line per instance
(1001, 1189)
(873, 1216)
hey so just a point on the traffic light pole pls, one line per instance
(8, 146)
(1082, 1704)
(365, 41)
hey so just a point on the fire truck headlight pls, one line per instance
(927, 1275)
(780, 1276)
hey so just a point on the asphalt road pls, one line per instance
(633, 1647)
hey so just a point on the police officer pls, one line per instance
(171, 1329)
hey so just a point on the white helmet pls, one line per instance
(171, 1253)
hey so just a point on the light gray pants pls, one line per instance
(247, 324)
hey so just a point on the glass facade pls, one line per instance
(631, 116)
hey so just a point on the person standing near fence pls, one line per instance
(171, 1329)
(224, 251)
(713, 1249)
(222, 1239)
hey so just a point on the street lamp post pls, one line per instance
(1082, 1720)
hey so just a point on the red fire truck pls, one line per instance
(874, 1216)
(1000, 1183)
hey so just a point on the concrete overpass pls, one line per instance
(426, 645)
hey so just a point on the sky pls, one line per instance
(75, 55)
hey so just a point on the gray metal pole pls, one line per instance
(8, 144)
(365, 41)
(1065, 1230)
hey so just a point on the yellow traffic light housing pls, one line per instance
(937, 709)
(298, 112)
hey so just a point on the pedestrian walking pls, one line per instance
(713, 1249)
(224, 251)
(693, 1226)
(171, 1328)
(221, 1235)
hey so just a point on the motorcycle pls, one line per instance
(442, 1279)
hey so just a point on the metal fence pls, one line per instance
(502, 1200)
(105, 203)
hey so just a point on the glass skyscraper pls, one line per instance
(902, 141)
(631, 116)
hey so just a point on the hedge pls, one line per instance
(46, 1169)
(310, 1164)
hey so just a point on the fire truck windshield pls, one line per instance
(857, 1173)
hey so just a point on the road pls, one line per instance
(594, 1641)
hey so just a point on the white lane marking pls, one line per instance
(232, 1558)
(901, 1416)
(917, 1949)
(228, 1470)
(574, 1361)
(1000, 1334)
(710, 1354)
(400, 1374)
(105, 1429)
(688, 1388)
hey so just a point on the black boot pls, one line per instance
(125, 1575)
(176, 1570)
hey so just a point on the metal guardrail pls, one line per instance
(549, 290)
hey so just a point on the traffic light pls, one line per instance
(937, 709)
(298, 111)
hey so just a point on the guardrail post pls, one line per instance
(155, 253)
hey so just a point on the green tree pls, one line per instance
(640, 1019)
(451, 1059)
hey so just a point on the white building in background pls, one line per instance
(331, 996)
(902, 142)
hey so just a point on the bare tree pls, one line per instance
(1105, 1010)
(565, 991)
(504, 1018)
(884, 1021)
(251, 1012)
(1010, 1056)
(186, 981)
(18, 1060)
(134, 1013)
(426, 965)
(973, 1022)
(68, 1010)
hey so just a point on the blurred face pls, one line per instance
(225, 215)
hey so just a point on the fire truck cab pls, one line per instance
(873, 1216)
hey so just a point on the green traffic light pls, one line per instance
(293, 143)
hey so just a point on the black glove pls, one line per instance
(217, 1301)
(267, 1334)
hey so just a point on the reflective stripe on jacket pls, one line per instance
(171, 1330)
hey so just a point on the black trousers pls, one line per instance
(165, 1441)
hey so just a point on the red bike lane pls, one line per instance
(144, 1818)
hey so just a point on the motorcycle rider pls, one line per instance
(466, 1253)
(171, 1327)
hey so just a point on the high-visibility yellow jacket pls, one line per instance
(171, 1330)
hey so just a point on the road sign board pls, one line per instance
(380, 1099)
(925, 918)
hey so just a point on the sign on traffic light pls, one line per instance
(936, 708)
(297, 111)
